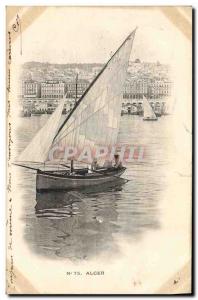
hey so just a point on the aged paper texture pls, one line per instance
(99, 150)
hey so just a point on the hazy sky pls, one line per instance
(77, 35)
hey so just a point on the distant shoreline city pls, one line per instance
(42, 85)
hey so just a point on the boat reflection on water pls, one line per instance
(61, 199)
(81, 225)
(76, 224)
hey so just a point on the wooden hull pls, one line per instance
(52, 181)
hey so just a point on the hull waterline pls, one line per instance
(46, 181)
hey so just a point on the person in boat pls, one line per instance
(117, 163)
(94, 165)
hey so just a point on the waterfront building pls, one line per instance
(160, 89)
(82, 85)
(152, 89)
(44, 85)
(30, 89)
(53, 89)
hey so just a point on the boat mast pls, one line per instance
(76, 85)
(72, 166)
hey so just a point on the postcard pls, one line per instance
(99, 150)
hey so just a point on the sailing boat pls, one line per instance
(94, 121)
(149, 114)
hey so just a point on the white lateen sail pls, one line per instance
(37, 150)
(94, 121)
(149, 113)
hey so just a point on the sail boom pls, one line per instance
(27, 167)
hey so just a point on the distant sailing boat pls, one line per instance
(94, 121)
(149, 114)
